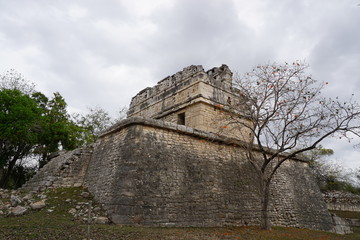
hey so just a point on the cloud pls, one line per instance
(102, 53)
(346, 154)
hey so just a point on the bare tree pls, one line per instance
(15, 80)
(96, 121)
(282, 107)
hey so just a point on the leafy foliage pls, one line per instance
(321, 169)
(96, 121)
(329, 176)
(19, 128)
(30, 124)
(58, 130)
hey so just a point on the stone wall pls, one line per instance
(181, 88)
(342, 201)
(197, 88)
(161, 174)
(209, 118)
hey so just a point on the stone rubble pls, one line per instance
(38, 205)
(12, 203)
(15, 200)
(81, 212)
(17, 211)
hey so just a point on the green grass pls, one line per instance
(346, 214)
(59, 224)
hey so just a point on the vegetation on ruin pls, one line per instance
(59, 224)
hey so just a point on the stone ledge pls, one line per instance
(210, 136)
(172, 127)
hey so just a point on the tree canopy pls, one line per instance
(57, 127)
(19, 128)
(96, 121)
(31, 124)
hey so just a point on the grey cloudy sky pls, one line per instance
(101, 53)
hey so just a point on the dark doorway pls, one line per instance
(181, 119)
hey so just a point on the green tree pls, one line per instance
(19, 129)
(96, 121)
(324, 172)
(57, 128)
(331, 176)
(31, 124)
(282, 106)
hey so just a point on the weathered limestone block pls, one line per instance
(101, 220)
(18, 211)
(15, 200)
(38, 205)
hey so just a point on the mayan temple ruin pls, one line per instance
(167, 164)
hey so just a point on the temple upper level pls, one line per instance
(191, 97)
(182, 87)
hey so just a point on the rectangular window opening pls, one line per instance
(181, 119)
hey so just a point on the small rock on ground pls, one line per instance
(38, 205)
(102, 220)
(18, 211)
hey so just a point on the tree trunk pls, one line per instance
(5, 177)
(44, 159)
(265, 196)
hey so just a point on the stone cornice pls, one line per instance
(209, 136)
